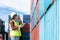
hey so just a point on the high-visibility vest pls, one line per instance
(16, 32)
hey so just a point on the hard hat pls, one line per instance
(12, 14)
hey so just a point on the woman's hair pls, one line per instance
(14, 16)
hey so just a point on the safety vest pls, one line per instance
(16, 32)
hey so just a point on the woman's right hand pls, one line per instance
(20, 26)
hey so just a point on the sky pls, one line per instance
(20, 5)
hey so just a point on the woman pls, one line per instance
(15, 31)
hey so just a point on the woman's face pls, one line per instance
(16, 17)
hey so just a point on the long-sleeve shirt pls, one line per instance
(13, 26)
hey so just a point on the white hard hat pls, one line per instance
(12, 14)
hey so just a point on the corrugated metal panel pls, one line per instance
(35, 35)
(58, 19)
(41, 29)
(35, 17)
(41, 7)
(46, 3)
(48, 22)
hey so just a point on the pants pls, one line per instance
(15, 38)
